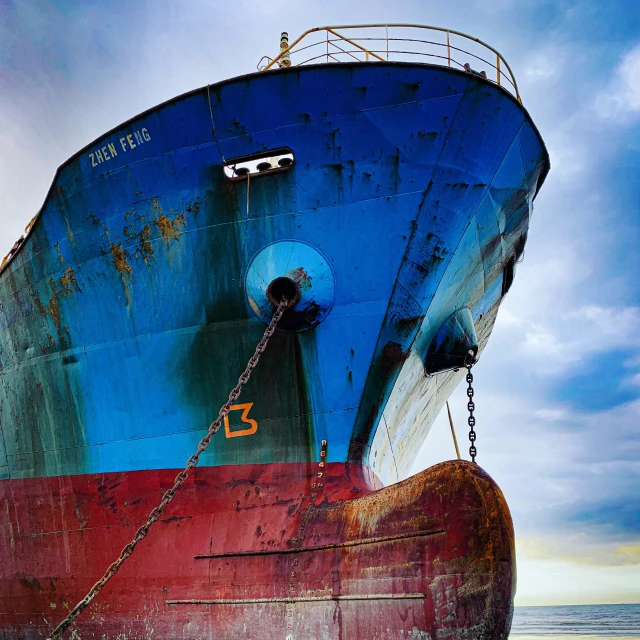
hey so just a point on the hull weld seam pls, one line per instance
(339, 545)
(372, 596)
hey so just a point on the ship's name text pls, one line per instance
(126, 143)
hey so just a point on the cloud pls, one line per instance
(579, 549)
(628, 554)
(552, 414)
(545, 578)
(620, 324)
(551, 344)
(620, 515)
(620, 100)
(547, 64)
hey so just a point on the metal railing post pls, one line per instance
(387, 30)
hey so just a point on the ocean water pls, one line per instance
(584, 622)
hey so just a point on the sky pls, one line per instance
(558, 386)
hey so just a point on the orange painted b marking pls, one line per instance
(245, 408)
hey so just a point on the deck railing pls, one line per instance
(395, 42)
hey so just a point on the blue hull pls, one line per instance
(129, 311)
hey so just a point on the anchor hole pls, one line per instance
(283, 287)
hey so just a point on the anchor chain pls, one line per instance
(168, 495)
(469, 362)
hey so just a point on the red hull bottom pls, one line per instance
(265, 551)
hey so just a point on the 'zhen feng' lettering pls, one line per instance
(125, 144)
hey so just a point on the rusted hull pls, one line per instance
(141, 292)
(248, 552)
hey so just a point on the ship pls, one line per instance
(373, 185)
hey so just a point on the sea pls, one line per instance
(580, 622)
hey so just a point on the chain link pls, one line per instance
(180, 479)
(469, 362)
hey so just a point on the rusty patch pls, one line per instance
(57, 248)
(194, 206)
(301, 278)
(68, 282)
(384, 570)
(54, 309)
(170, 228)
(29, 582)
(41, 308)
(146, 248)
(120, 259)
(70, 235)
